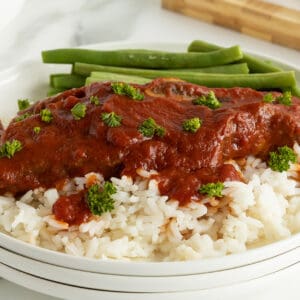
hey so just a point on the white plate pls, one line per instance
(30, 80)
(147, 284)
(149, 268)
(276, 286)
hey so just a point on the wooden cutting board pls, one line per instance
(257, 18)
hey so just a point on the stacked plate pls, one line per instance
(73, 278)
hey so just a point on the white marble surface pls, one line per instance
(33, 25)
(29, 26)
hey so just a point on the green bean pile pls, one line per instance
(203, 64)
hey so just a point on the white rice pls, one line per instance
(145, 225)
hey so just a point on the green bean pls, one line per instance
(68, 81)
(85, 70)
(241, 68)
(295, 90)
(53, 91)
(255, 65)
(55, 75)
(256, 81)
(144, 58)
(107, 76)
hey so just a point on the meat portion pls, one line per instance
(66, 147)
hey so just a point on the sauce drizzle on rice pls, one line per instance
(67, 147)
(72, 209)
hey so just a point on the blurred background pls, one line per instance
(28, 26)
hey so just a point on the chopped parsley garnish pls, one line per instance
(128, 90)
(23, 104)
(212, 189)
(111, 119)
(268, 98)
(285, 98)
(210, 100)
(149, 128)
(280, 160)
(95, 100)
(37, 129)
(46, 115)
(8, 149)
(100, 200)
(78, 111)
(192, 125)
(23, 117)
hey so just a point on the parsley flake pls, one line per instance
(95, 100)
(111, 119)
(37, 129)
(78, 111)
(285, 98)
(100, 200)
(23, 117)
(46, 115)
(149, 128)
(280, 160)
(192, 125)
(128, 90)
(268, 98)
(23, 104)
(8, 149)
(212, 189)
(210, 100)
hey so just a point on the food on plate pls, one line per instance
(254, 64)
(131, 168)
(208, 69)
(153, 59)
(115, 138)
(255, 81)
(161, 171)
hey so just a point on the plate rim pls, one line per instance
(137, 268)
(140, 284)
